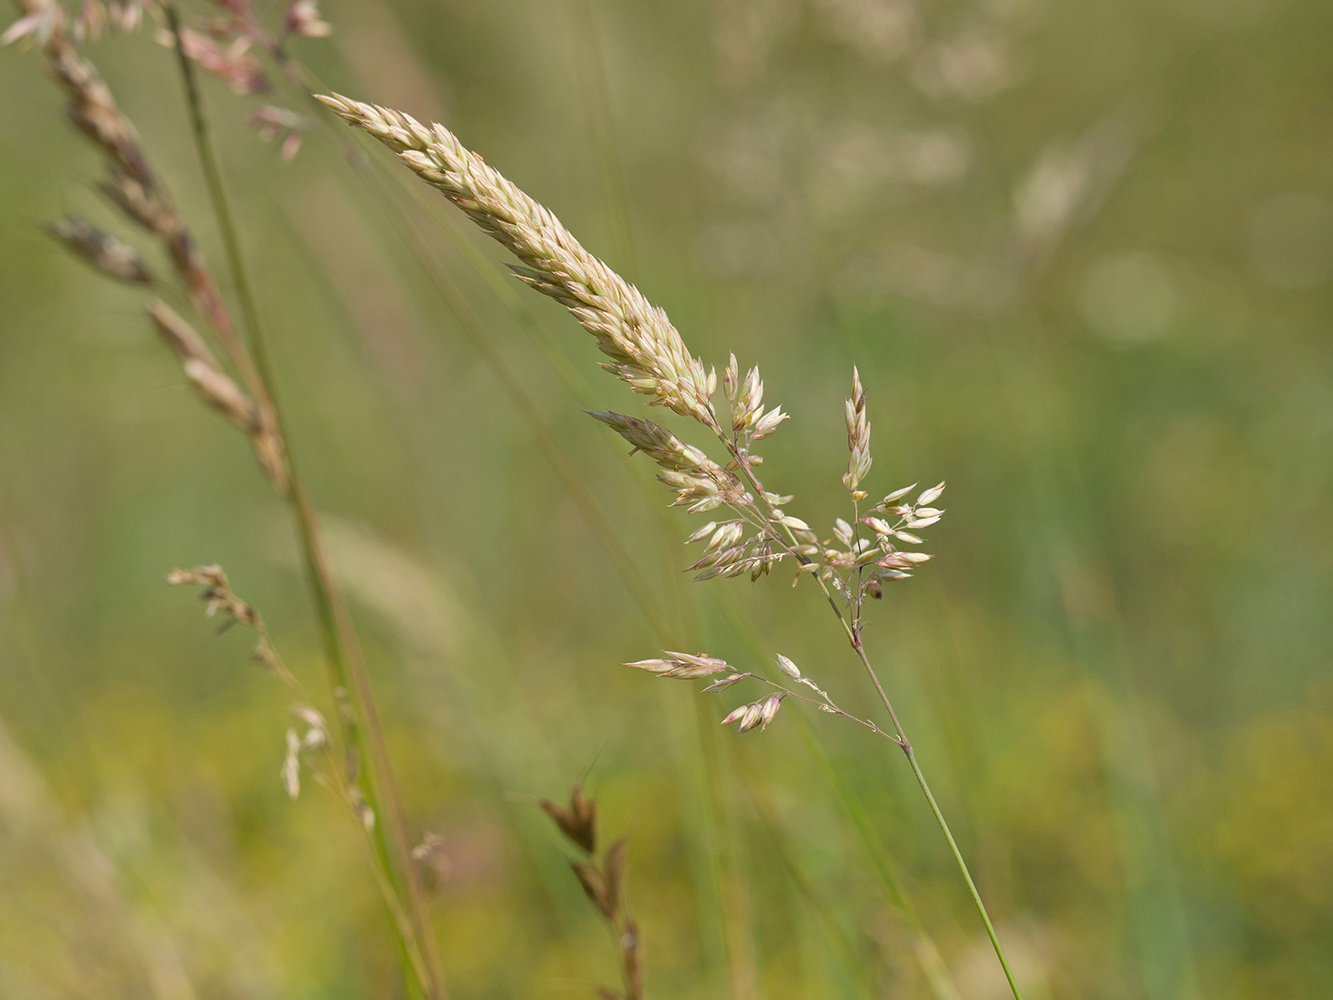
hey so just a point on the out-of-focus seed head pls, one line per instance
(291, 765)
(213, 385)
(303, 19)
(273, 123)
(578, 822)
(103, 251)
(231, 63)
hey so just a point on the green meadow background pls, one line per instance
(1081, 254)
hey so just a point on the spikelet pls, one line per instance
(201, 368)
(858, 435)
(113, 257)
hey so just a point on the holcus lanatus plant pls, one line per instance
(877, 545)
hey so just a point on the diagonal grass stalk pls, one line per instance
(347, 665)
(853, 633)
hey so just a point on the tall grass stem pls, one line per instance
(341, 644)
(906, 745)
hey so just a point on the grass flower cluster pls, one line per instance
(649, 355)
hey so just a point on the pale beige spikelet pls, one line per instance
(682, 666)
(291, 765)
(858, 435)
(657, 443)
(645, 350)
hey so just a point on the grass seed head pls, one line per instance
(578, 822)
(644, 349)
(114, 258)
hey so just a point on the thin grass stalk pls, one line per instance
(855, 637)
(341, 643)
(923, 944)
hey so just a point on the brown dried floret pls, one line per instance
(578, 822)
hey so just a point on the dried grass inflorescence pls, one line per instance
(135, 189)
(218, 596)
(314, 748)
(645, 350)
(603, 881)
(649, 354)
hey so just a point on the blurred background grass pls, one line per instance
(1081, 254)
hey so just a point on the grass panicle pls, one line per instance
(650, 356)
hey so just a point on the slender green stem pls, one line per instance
(967, 876)
(906, 745)
(341, 644)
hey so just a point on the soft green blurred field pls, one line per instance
(1082, 255)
